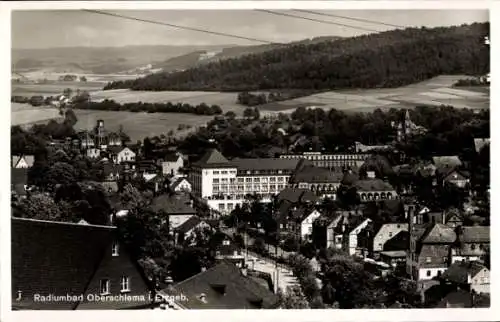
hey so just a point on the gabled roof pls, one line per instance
(55, 258)
(446, 161)
(189, 224)
(439, 234)
(213, 158)
(480, 143)
(224, 287)
(458, 272)
(177, 182)
(173, 205)
(29, 159)
(474, 234)
(115, 149)
(172, 157)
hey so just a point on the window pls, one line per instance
(104, 287)
(428, 273)
(215, 181)
(115, 249)
(241, 180)
(428, 260)
(248, 179)
(124, 284)
(223, 172)
(310, 229)
(221, 206)
(216, 172)
(473, 246)
(390, 234)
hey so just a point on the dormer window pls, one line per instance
(115, 249)
(104, 287)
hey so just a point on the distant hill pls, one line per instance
(98, 60)
(387, 59)
(197, 58)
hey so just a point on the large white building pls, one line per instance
(225, 184)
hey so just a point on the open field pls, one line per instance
(227, 101)
(53, 88)
(436, 91)
(23, 114)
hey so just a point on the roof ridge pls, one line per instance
(62, 223)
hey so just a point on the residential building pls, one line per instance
(337, 162)
(361, 148)
(230, 252)
(385, 233)
(352, 244)
(180, 184)
(178, 208)
(472, 243)
(429, 253)
(171, 164)
(93, 153)
(470, 276)
(321, 181)
(453, 218)
(224, 286)
(406, 128)
(121, 154)
(187, 230)
(22, 161)
(458, 178)
(374, 189)
(394, 258)
(451, 161)
(225, 184)
(463, 299)
(480, 143)
(297, 220)
(111, 172)
(61, 259)
(324, 231)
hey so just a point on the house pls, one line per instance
(171, 164)
(324, 231)
(188, 229)
(453, 218)
(321, 181)
(224, 286)
(458, 178)
(230, 252)
(297, 220)
(306, 223)
(93, 153)
(463, 299)
(65, 266)
(297, 196)
(470, 276)
(452, 161)
(472, 243)
(480, 143)
(178, 208)
(111, 172)
(19, 182)
(121, 154)
(22, 161)
(350, 229)
(385, 233)
(374, 189)
(180, 184)
(429, 253)
(394, 258)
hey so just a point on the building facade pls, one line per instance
(336, 161)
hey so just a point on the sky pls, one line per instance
(49, 29)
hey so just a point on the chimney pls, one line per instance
(244, 271)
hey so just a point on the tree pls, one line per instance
(83, 79)
(59, 173)
(293, 298)
(68, 92)
(42, 207)
(230, 115)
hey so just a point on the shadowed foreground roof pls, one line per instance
(54, 258)
(224, 287)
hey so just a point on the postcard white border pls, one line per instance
(237, 315)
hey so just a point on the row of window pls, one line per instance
(249, 180)
(105, 285)
(328, 157)
(248, 188)
(216, 172)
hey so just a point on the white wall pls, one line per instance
(422, 273)
(175, 221)
(307, 224)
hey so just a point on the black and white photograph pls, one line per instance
(256, 159)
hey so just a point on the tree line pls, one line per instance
(251, 99)
(387, 59)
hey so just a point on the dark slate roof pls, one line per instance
(463, 299)
(458, 272)
(189, 224)
(18, 176)
(55, 258)
(373, 185)
(297, 195)
(171, 157)
(439, 234)
(115, 149)
(313, 174)
(20, 189)
(240, 292)
(475, 234)
(350, 178)
(109, 168)
(213, 158)
(173, 205)
(265, 164)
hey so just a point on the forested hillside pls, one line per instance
(388, 59)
